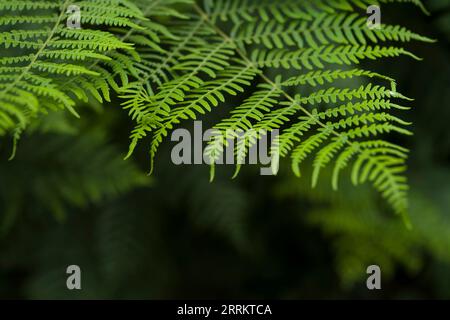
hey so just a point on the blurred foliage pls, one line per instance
(72, 200)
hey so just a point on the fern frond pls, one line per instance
(323, 30)
(202, 100)
(209, 60)
(218, 48)
(311, 58)
(320, 77)
(47, 65)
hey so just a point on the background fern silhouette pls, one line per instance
(338, 91)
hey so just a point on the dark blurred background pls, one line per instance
(69, 198)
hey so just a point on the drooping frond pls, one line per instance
(219, 47)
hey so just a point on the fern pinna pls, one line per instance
(191, 56)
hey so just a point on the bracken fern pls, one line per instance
(190, 57)
(225, 46)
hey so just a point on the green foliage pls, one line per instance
(185, 59)
(47, 66)
(225, 46)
